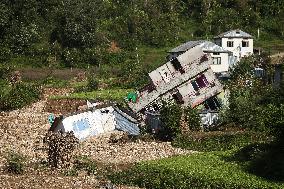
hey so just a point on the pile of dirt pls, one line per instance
(63, 106)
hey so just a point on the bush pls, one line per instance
(216, 141)
(15, 163)
(82, 163)
(18, 96)
(92, 84)
(170, 117)
(5, 72)
(192, 118)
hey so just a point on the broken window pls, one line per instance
(230, 43)
(245, 44)
(199, 82)
(212, 104)
(216, 60)
(203, 58)
(176, 64)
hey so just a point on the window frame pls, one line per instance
(245, 42)
(196, 86)
(230, 43)
(219, 60)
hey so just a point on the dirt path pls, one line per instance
(280, 54)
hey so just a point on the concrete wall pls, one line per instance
(189, 95)
(194, 98)
(237, 49)
(224, 66)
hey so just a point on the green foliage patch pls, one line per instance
(201, 170)
(15, 163)
(170, 117)
(218, 140)
(18, 95)
(82, 163)
(104, 94)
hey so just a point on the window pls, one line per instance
(212, 104)
(216, 53)
(230, 43)
(176, 64)
(199, 82)
(216, 60)
(178, 98)
(245, 44)
(194, 85)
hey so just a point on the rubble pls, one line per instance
(101, 150)
(23, 131)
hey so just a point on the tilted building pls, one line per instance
(186, 79)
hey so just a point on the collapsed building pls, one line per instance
(186, 79)
(96, 120)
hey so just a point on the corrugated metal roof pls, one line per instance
(212, 47)
(205, 45)
(125, 123)
(234, 34)
(185, 46)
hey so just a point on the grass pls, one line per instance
(272, 46)
(202, 170)
(104, 94)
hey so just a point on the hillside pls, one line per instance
(79, 32)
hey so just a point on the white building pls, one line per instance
(186, 79)
(236, 41)
(222, 58)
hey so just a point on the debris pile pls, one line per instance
(60, 148)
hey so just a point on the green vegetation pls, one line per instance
(201, 170)
(82, 163)
(15, 163)
(104, 94)
(170, 116)
(219, 140)
(192, 118)
(254, 103)
(79, 33)
(17, 95)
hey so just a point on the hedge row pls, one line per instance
(219, 141)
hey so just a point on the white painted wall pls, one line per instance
(237, 49)
(224, 66)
